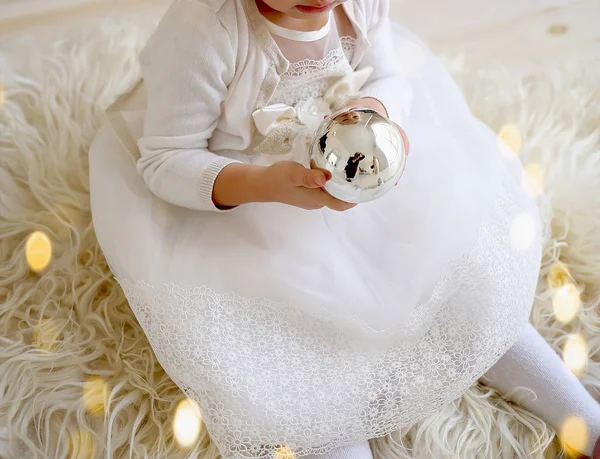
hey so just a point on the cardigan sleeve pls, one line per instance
(387, 83)
(187, 66)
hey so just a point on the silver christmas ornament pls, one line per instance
(363, 151)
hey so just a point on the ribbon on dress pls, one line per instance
(289, 130)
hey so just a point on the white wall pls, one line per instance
(431, 19)
(435, 19)
(11, 10)
(16, 9)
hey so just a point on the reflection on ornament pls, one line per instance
(559, 275)
(82, 445)
(575, 354)
(533, 180)
(522, 232)
(574, 434)
(509, 141)
(187, 422)
(95, 396)
(45, 336)
(365, 159)
(38, 251)
(566, 302)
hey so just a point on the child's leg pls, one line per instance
(533, 375)
(360, 451)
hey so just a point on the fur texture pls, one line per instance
(69, 324)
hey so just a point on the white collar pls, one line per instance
(299, 35)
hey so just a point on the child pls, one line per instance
(315, 331)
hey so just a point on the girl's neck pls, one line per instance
(289, 22)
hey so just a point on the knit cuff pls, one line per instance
(207, 183)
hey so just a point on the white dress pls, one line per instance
(311, 330)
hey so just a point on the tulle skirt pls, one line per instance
(308, 330)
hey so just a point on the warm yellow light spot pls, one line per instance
(558, 29)
(533, 180)
(559, 275)
(187, 423)
(509, 141)
(45, 336)
(574, 433)
(95, 395)
(284, 453)
(38, 251)
(82, 445)
(566, 302)
(522, 232)
(575, 354)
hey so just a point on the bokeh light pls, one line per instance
(38, 251)
(187, 423)
(574, 434)
(522, 232)
(533, 180)
(509, 141)
(558, 29)
(45, 335)
(284, 453)
(566, 302)
(559, 275)
(95, 395)
(82, 445)
(575, 354)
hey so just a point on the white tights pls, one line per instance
(534, 376)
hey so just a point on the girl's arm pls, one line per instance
(387, 83)
(187, 66)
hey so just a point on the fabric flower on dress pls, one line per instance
(289, 130)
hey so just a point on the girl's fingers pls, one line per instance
(335, 204)
(315, 178)
(308, 178)
(313, 166)
(404, 139)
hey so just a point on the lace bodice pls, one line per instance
(317, 58)
(310, 78)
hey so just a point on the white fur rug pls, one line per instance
(71, 323)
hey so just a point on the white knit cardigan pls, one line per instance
(209, 65)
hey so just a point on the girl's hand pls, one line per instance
(369, 102)
(374, 104)
(291, 183)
